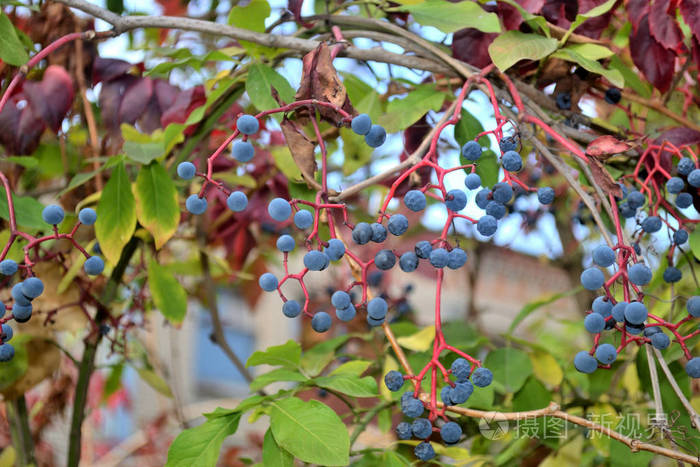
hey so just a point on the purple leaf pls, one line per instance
(652, 58)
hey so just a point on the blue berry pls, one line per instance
(450, 432)
(445, 395)
(660, 340)
(291, 308)
(636, 313)
(196, 205)
(487, 225)
(603, 256)
(341, 299)
(316, 260)
(8, 267)
(461, 370)
(335, 249)
(472, 181)
(19, 297)
(456, 258)
(603, 306)
(32, 287)
(285, 243)
(87, 216)
(685, 165)
(247, 124)
(186, 170)
(398, 224)
(674, 185)
(362, 233)
(693, 306)
(7, 352)
(321, 322)
(415, 200)
(375, 278)
(346, 314)
(423, 249)
(403, 430)
(461, 392)
(684, 200)
(21, 313)
(456, 200)
(618, 311)
(496, 209)
(377, 308)
(361, 124)
(592, 279)
(636, 199)
(376, 136)
(545, 195)
(422, 428)
(651, 330)
(680, 236)
(384, 260)
(585, 363)
(471, 150)
(408, 262)
(594, 323)
(279, 209)
(303, 219)
(627, 211)
(507, 143)
(613, 95)
(94, 265)
(6, 333)
(424, 451)
(268, 282)
(672, 275)
(393, 380)
(482, 377)
(439, 258)
(502, 192)
(378, 232)
(482, 198)
(563, 100)
(53, 214)
(651, 224)
(639, 274)
(512, 161)
(606, 353)
(410, 406)
(693, 367)
(374, 322)
(237, 201)
(634, 329)
(694, 178)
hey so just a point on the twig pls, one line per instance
(694, 417)
(660, 417)
(367, 419)
(24, 443)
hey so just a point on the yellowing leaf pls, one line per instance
(155, 381)
(168, 295)
(116, 214)
(157, 208)
(546, 368)
(420, 341)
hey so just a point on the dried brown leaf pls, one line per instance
(606, 146)
(301, 147)
(603, 179)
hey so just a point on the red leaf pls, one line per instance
(173, 7)
(295, 7)
(510, 15)
(664, 27)
(20, 128)
(107, 69)
(111, 96)
(52, 97)
(531, 6)
(593, 27)
(185, 102)
(471, 45)
(135, 100)
(637, 9)
(606, 146)
(690, 10)
(560, 12)
(653, 59)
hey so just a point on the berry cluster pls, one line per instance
(31, 287)
(627, 313)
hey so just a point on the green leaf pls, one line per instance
(353, 367)
(168, 295)
(116, 214)
(582, 17)
(510, 367)
(363, 96)
(16, 368)
(141, 147)
(631, 77)
(511, 47)
(113, 381)
(487, 167)
(201, 445)
(311, 431)
(590, 51)
(356, 152)
(155, 381)
(261, 78)
(27, 211)
(273, 454)
(350, 385)
(11, 49)
(402, 113)
(278, 374)
(316, 358)
(28, 162)
(450, 17)
(252, 17)
(534, 306)
(694, 242)
(532, 396)
(532, 20)
(285, 162)
(157, 207)
(420, 341)
(286, 355)
(467, 128)
(614, 76)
